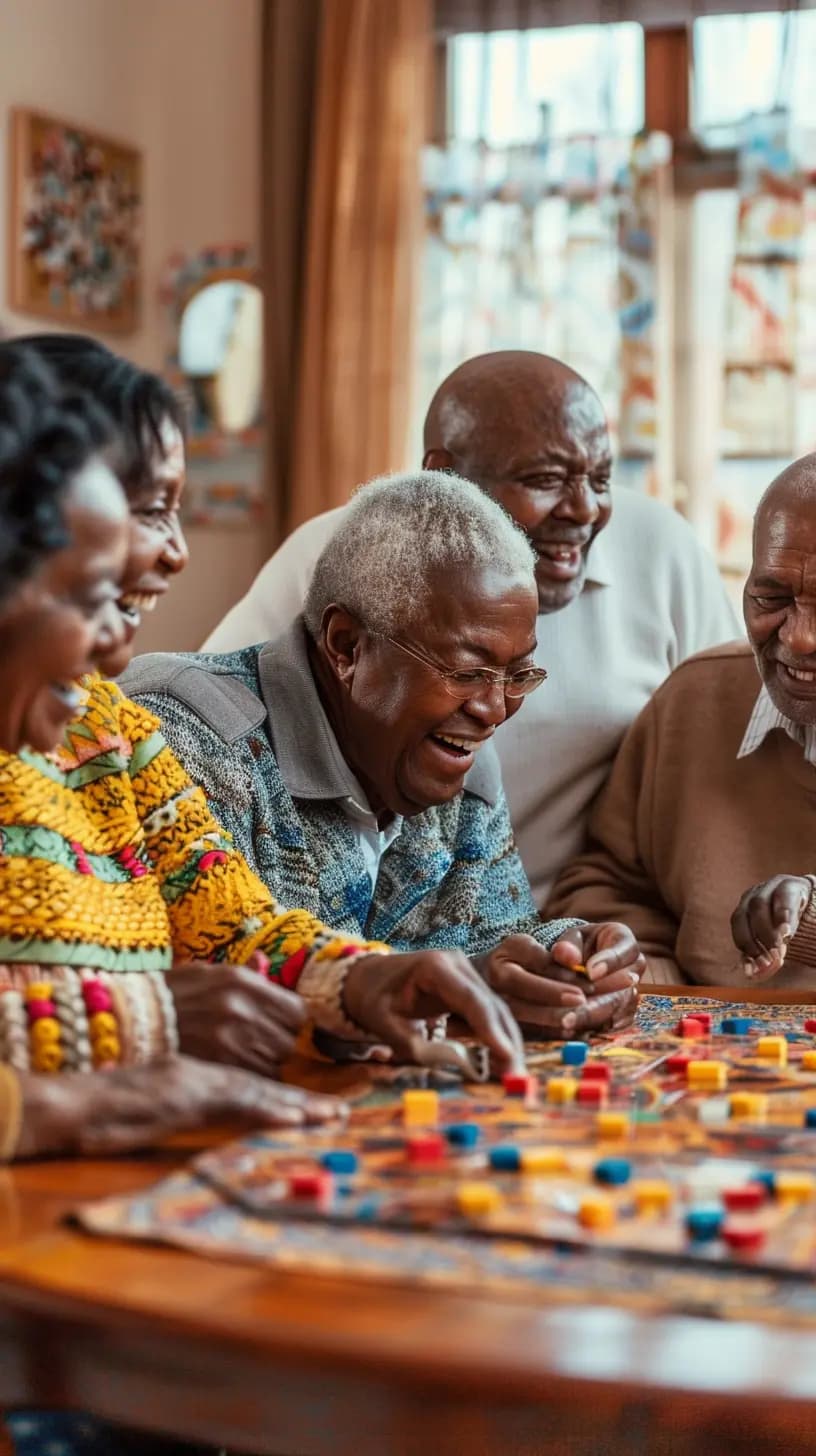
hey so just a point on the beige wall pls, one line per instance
(180, 79)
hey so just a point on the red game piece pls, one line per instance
(743, 1240)
(310, 1183)
(592, 1092)
(810, 1024)
(596, 1072)
(689, 1026)
(744, 1200)
(429, 1147)
(677, 1062)
(518, 1084)
(704, 1018)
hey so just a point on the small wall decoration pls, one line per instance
(75, 224)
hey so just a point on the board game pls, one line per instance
(673, 1162)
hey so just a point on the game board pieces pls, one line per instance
(773, 1049)
(743, 1239)
(475, 1199)
(596, 1211)
(746, 1199)
(505, 1159)
(543, 1160)
(693, 1027)
(736, 1025)
(796, 1187)
(810, 1024)
(592, 1093)
(677, 1062)
(708, 1075)
(426, 1147)
(420, 1108)
(519, 1084)
(612, 1124)
(704, 1224)
(311, 1184)
(463, 1134)
(809, 1061)
(596, 1072)
(613, 1172)
(753, 1106)
(561, 1090)
(574, 1053)
(340, 1160)
(652, 1195)
(810, 1117)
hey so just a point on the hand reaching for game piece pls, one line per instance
(550, 997)
(132, 1107)
(764, 921)
(387, 995)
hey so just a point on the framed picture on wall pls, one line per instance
(75, 220)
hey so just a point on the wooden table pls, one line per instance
(271, 1363)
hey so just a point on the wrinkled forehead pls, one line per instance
(785, 545)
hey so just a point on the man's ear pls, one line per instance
(340, 632)
(438, 459)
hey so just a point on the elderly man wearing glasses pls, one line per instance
(351, 758)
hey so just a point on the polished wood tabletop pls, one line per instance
(267, 1362)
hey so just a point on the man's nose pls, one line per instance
(798, 631)
(488, 704)
(578, 502)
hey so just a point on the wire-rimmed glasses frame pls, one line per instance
(468, 682)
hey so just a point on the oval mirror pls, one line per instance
(221, 352)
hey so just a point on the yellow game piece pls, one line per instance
(612, 1124)
(753, 1105)
(543, 1160)
(809, 1061)
(652, 1195)
(773, 1049)
(596, 1211)
(797, 1187)
(561, 1089)
(708, 1074)
(475, 1199)
(420, 1108)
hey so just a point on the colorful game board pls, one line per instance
(673, 1164)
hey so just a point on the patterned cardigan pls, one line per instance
(453, 879)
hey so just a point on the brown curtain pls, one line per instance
(347, 327)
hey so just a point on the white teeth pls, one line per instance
(69, 694)
(468, 744)
(800, 675)
(138, 601)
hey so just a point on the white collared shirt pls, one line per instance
(652, 597)
(765, 717)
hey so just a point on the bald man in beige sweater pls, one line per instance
(710, 809)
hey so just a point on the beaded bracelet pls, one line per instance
(45, 1049)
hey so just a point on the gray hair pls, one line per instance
(399, 532)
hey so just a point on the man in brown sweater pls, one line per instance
(710, 809)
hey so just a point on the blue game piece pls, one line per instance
(340, 1160)
(463, 1134)
(736, 1025)
(367, 1209)
(574, 1053)
(505, 1159)
(810, 1117)
(703, 1224)
(767, 1179)
(613, 1171)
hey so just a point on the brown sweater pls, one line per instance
(683, 827)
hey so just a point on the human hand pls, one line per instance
(97, 1113)
(764, 921)
(549, 997)
(232, 1014)
(387, 994)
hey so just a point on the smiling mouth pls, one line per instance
(458, 748)
(133, 605)
(561, 558)
(69, 694)
(799, 674)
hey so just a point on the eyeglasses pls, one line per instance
(469, 682)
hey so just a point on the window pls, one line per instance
(751, 63)
(525, 86)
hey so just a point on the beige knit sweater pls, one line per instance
(683, 827)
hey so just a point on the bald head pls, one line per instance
(779, 600)
(533, 434)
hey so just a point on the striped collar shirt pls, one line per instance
(765, 718)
